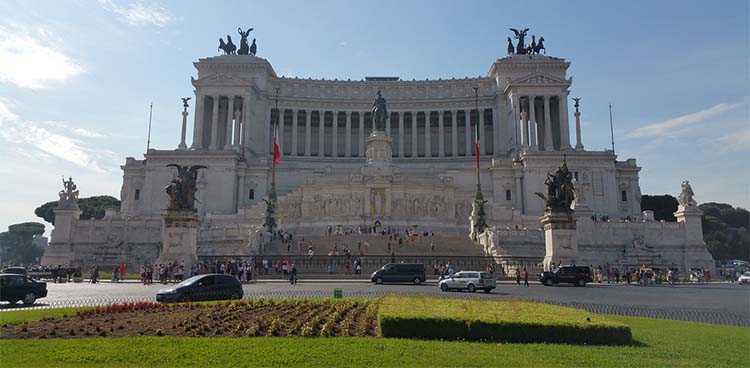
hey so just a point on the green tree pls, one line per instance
(91, 207)
(16, 246)
(725, 231)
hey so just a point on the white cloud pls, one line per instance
(46, 141)
(139, 14)
(734, 141)
(343, 43)
(31, 63)
(679, 124)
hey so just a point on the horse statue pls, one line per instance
(253, 47)
(520, 47)
(511, 49)
(228, 47)
(244, 48)
(532, 45)
(540, 46)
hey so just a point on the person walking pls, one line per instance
(525, 277)
(518, 276)
(293, 275)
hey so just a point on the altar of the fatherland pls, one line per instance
(416, 172)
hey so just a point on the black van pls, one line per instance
(572, 274)
(400, 272)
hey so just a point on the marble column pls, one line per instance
(482, 146)
(183, 131)
(579, 143)
(524, 126)
(532, 121)
(215, 124)
(468, 133)
(198, 121)
(427, 138)
(548, 142)
(230, 120)
(267, 132)
(497, 132)
(308, 131)
(237, 127)
(388, 125)
(335, 134)
(280, 124)
(246, 114)
(454, 133)
(414, 150)
(322, 134)
(361, 134)
(564, 128)
(400, 134)
(516, 116)
(441, 134)
(294, 131)
(348, 132)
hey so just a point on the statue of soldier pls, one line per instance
(379, 113)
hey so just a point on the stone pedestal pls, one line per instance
(694, 252)
(378, 155)
(59, 251)
(560, 239)
(179, 238)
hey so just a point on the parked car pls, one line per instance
(571, 274)
(744, 278)
(468, 280)
(211, 286)
(15, 270)
(400, 272)
(14, 287)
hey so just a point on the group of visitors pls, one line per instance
(522, 274)
(118, 272)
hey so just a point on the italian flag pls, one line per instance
(276, 150)
(476, 143)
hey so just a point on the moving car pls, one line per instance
(468, 280)
(15, 287)
(15, 270)
(212, 286)
(744, 278)
(571, 274)
(400, 272)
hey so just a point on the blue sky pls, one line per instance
(77, 77)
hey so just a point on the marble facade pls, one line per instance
(425, 176)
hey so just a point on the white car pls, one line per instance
(744, 278)
(468, 280)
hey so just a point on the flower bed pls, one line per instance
(261, 317)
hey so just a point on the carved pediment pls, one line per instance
(539, 79)
(220, 80)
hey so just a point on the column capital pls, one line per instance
(547, 97)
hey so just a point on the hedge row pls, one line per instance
(514, 332)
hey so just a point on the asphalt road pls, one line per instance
(713, 303)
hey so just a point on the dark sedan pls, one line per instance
(203, 287)
(15, 287)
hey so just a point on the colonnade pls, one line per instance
(540, 122)
(436, 133)
(220, 122)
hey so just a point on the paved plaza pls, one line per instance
(718, 303)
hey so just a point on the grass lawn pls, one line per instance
(660, 343)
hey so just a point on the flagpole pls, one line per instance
(275, 137)
(478, 214)
(150, 114)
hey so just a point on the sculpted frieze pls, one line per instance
(420, 205)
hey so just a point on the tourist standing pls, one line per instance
(525, 277)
